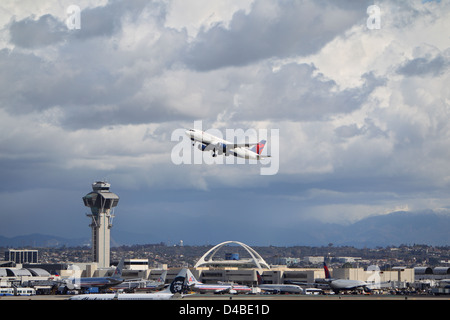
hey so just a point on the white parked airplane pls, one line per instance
(98, 282)
(178, 286)
(133, 285)
(342, 284)
(208, 142)
(200, 287)
(278, 288)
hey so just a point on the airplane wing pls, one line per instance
(310, 284)
(271, 290)
(221, 142)
(242, 145)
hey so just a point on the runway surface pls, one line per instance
(272, 297)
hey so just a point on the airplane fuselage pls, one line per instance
(95, 282)
(220, 288)
(176, 288)
(208, 142)
(124, 296)
(342, 284)
(281, 288)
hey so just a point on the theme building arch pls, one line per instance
(256, 259)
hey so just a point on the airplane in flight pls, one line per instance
(208, 142)
(98, 282)
(200, 287)
(278, 288)
(338, 285)
(176, 288)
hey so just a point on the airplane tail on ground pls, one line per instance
(327, 272)
(178, 285)
(119, 269)
(258, 148)
(259, 278)
(191, 280)
(162, 277)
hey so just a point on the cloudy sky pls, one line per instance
(360, 99)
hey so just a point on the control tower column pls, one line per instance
(102, 203)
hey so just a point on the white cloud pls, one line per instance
(195, 15)
(360, 50)
(271, 30)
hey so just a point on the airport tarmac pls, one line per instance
(312, 297)
(276, 297)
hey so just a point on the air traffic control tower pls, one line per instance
(102, 203)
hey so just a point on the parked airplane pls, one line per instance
(99, 282)
(278, 288)
(177, 287)
(131, 285)
(200, 287)
(342, 284)
(155, 285)
(217, 145)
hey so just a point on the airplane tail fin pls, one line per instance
(191, 280)
(119, 269)
(327, 272)
(259, 278)
(258, 148)
(162, 277)
(178, 284)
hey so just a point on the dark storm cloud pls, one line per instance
(107, 20)
(273, 29)
(29, 33)
(70, 101)
(32, 84)
(91, 81)
(425, 66)
(103, 21)
(297, 92)
(352, 130)
(15, 69)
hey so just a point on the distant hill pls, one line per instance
(399, 228)
(40, 240)
(394, 229)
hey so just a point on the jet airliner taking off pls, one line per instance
(208, 142)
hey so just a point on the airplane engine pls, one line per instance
(202, 147)
(224, 149)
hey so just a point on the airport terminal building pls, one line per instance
(209, 270)
(22, 267)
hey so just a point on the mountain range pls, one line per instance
(394, 229)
